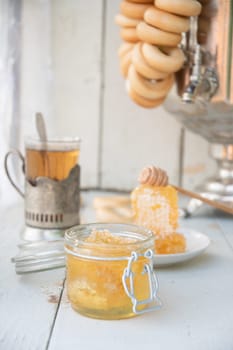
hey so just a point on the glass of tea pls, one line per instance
(53, 159)
(51, 190)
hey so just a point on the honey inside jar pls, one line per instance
(96, 263)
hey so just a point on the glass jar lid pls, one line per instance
(39, 256)
(127, 238)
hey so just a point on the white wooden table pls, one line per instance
(197, 312)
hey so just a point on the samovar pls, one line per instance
(203, 97)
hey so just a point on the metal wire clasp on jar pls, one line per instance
(110, 270)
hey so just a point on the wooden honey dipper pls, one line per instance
(203, 199)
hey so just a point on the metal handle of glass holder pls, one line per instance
(152, 280)
(16, 152)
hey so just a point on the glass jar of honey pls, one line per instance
(110, 270)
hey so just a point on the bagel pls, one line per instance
(180, 7)
(149, 89)
(124, 48)
(133, 10)
(124, 21)
(125, 62)
(141, 1)
(129, 34)
(142, 66)
(114, 215)
(166, 21)
(152, 31)
(113, 209)
(141, 101)
(167, 60)
(111, 201)
(157, 36)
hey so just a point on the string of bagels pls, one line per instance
(150, 54)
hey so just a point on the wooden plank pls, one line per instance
(76, 60)
(28, 303)
(9, 64)
(226, 225)
(36, 70)
(197, 297)
(132, 136)
(61, 55)
(197, 163)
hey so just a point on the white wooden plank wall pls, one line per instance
(132, 136)
(9, 121)
(76, 46)
(197, 165)
(36, 65)
(61, 43)
(70, 72)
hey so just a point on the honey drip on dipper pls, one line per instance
(155, 206)
(150, 54)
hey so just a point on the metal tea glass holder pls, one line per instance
(51, 206)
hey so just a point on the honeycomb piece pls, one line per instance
(156, 208)
(106, 237)
(170, 244)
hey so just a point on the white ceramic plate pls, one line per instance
(196, 242)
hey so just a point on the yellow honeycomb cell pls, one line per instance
(156, 208)
(170, 244)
